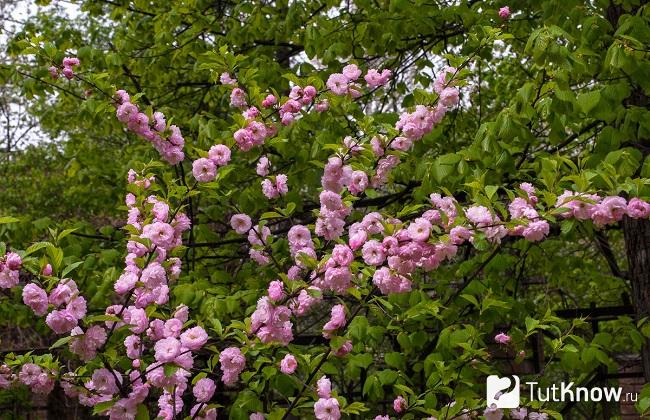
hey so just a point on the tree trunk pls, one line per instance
(637, 245)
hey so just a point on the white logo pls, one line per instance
(496, 395)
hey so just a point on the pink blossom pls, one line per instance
(536, 231)
(324, 387)
(493, 413)
(77, 307)
(172, 328)
(390, 283)
(47, 270)
(327, 409)
(336, 321)
(288, 364)
(61, 321)
(35, 298)
(358, 182)
(132, 344)
(502, 338)
(225, 79)
(342, 254)
(70, 61)
(153, 275)
(338, 84)
(256, 416)
(263, 166)
(204, 390)
(420, 230)
(299, 237)
(337, 279)
(580, 208)
(609, 210)
(449, 97)
(281, 184)
(251, 113)
(204, 170)
(377, 146)
(269, 101)
(344, 349)
(400, 404)
(376, 79)
(160, 234)
(638, 209)
(232, 363)
(238, 98)
(305, 300)
(276, 290)
(257, 236)
(322, 106)
(104, 381)
(504, 12)
(358, 239)
(269, 190)
(219, 154)
(167, 349)
(351, 72)
(373, 253)
(54, 72)
(241, 223)
(13, 261)
(194, 338)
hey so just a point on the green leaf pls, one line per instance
(142, 413)
(531, 324)
(61, 341)
(65, 233)
(103, 406)
(170, 369)
(37, 246)
(588, 101)
(70, 267)
(8, 219)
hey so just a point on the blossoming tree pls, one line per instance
(340, 220)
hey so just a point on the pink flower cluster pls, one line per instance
(205, 169)
(68, 71)
(345, 83)
(602, 211)
(272, 323)
(233, 363)
(257, 237)
(64, 320)
(300, 244)
(170, 345)
(337, 320)
(167, 140)
(327, 407)
(522, 208)
(374, 78)
(85, 344)
(39, 380)
(331, 219)
(150, 283)
(10, 265)
(252, 135)
(298, 98)
(273, 189)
